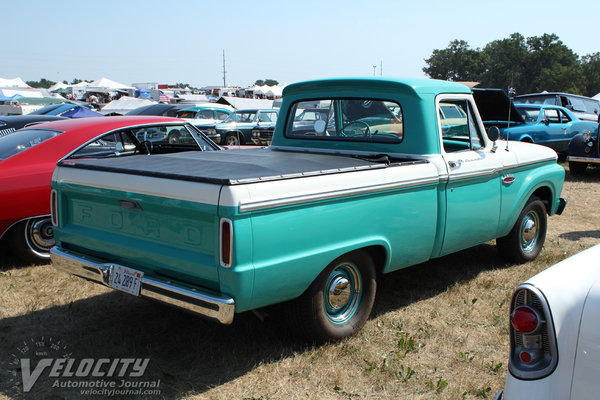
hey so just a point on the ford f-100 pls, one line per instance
(396, 173)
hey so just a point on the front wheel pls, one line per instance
(31, 240)
(339, 301)
(232, 139)
(577, 168)
(526, 239)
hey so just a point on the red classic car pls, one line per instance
(28, 157)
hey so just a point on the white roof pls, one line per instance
(14, 82)
(240, 103)
(597, 97)
(192, 98)
(125, 104)
(58, 85)
(110, 84)
(9, 92)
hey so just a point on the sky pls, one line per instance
(182, 41)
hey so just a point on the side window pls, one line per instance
(564, 118)
(268, 117)
(459, 126)
(205, 114)
(551, 115)
(221, 115)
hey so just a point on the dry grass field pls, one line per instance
(439, 330)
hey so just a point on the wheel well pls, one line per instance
(527, 140)
(545, 194)
(378, 255)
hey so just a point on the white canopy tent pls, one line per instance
(108, 84)
(125, 104)
(58, 85)
(15, 82)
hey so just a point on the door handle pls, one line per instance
(454, 164)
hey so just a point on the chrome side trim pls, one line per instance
(327, 195)
(199, 301)
(474, 174)
(492, 171)
(584, 160)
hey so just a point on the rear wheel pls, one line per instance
(339, 301)
(577, 168)
(31, 240)
(526, 239)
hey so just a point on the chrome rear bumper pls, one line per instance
(199, 301)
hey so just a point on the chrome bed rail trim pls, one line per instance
(327, 195)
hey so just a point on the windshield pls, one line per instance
(22, 140)
(46, 109)
(241, 116)
(155, 139)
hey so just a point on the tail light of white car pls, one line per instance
(533, 350)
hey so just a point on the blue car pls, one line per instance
(548, 125)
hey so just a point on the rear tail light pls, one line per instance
(525, 320)
(533, 350)
(225, 242)
(53, 207)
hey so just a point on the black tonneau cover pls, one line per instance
(232, 167)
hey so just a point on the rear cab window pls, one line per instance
(345, 119)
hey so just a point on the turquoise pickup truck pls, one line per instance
(384, 182)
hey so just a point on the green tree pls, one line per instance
(42, 83)
(268, 82)
(551, 65)
(457, 62)
(505, 62)
(590, 74)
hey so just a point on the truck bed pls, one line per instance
(234, 167)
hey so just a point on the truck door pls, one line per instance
(473, 186)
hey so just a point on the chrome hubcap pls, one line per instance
(529, 231)
(339, 292)
(342, 294)
(39, 235)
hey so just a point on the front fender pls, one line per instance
(545, 181)
(578, 144)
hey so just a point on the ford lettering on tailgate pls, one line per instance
(143, 224)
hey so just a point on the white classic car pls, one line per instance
(555, 332)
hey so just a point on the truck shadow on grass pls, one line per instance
(189, 354)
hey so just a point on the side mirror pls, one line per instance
(493, 133)
(546, 121)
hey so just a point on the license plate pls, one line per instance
(125, 279)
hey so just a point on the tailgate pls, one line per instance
(164, 227)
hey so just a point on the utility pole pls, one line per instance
(224, 72)
(374, 68)
(381, 68)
